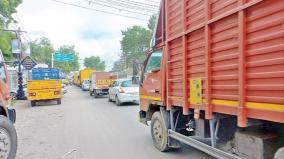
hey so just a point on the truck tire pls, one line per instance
(58, 101)
(8, 138)
(95, 95)
(33, 103)
(279, 154)
(159, 132)
(117, 101)
(109, 99)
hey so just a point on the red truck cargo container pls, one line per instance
(216, 72)
(100, 82)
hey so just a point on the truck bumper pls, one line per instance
(12, 115)
(101, 91)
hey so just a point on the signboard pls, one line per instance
(16, 46)
(63, 57)
(28, 63)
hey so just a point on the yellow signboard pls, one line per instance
(196, 91)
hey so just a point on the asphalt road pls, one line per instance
(86, 128)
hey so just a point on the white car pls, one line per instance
(86, 85)
(122, 91)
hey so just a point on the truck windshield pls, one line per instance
(154, 61)
(128, 84)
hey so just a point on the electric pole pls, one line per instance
(20, 92)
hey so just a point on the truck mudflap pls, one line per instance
(12, 115)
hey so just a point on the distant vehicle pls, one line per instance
(84, 75)
(8, 132)
(122, 91)
(86, 85)
(100, 82)
(76, 80)
(64, 88)
(44, 85)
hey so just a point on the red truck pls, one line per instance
(214, 78)
(100, 82)
(8, 134)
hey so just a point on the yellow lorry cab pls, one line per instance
(45, 84)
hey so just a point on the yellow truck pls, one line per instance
(85, 75)
(76, 78)
(44, 85)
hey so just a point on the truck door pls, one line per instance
(4, 88)
(150, 88)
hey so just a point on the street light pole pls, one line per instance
(20, 91)
(52, 60)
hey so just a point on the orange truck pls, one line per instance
(7, 116)
(100, 82)
(214, 78)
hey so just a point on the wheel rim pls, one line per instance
(158, 131)
(5, 143)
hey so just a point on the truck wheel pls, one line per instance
(117, 101)
(33, 103)
(159, 132)
(109, 99)
(95, 95)
(279, 154)
(8, 138)
(58, 101)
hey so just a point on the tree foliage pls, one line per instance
(135, 42)
(42, 49)
(94, 62)
(152, 22)
(7, 8)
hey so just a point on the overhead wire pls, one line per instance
(28, 38)
(125, 5)
(120, 9)
(97, 10)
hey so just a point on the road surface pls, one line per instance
(87, 128)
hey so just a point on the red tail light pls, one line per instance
(56, 92)
(121, 90)
(32, 94)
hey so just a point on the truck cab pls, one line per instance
(7, 116)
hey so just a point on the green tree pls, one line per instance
(41, 50)
(5, 44)
(94, 62)
(152, 22)
(67, 67)
(7, 8)
(135, 42)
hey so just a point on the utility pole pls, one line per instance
(20, 92)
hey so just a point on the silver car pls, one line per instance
(86, 85)
(122, 91)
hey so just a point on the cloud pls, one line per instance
(92, 33)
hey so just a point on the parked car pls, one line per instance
(122, 91)
(64, 88)
(86, 85)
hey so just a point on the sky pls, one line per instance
(93, 33)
